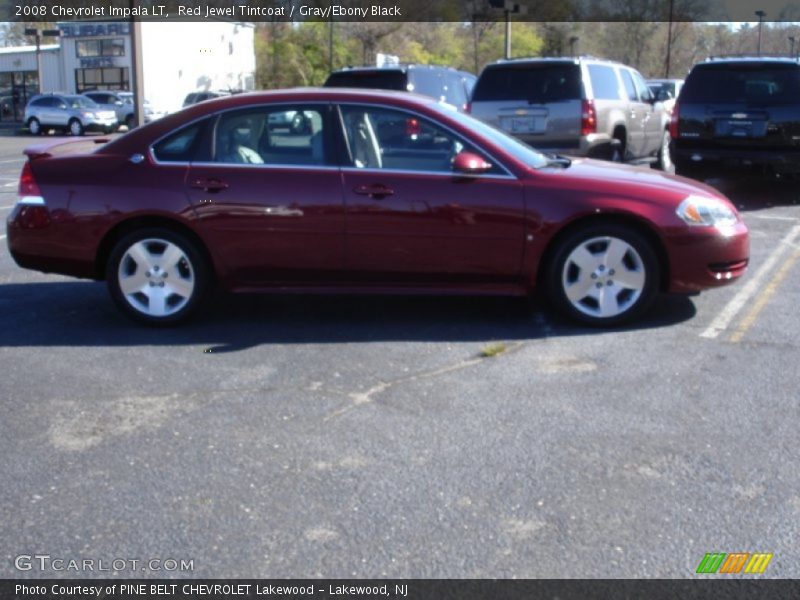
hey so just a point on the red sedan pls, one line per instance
(362, 191)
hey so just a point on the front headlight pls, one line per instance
(706, 212)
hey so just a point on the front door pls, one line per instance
(411, 219)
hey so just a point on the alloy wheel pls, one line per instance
(603, 277)
(156, 277)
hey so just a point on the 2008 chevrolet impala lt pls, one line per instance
(362, 191)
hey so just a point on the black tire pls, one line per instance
(664, 162)
(129, 122)
(137, 305)
(641, 264)
(617, 147)
(34, 126)
(75, 127)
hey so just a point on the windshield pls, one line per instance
(80, 102)
(513, 146)
(751, 83)
(538, 83)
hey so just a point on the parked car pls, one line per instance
(202, 96)
(150, 112)
(575, 106)
(386, 193)
(738, 111)
(69, 112)
(111, 100)
(666, 91)
(443, 83)
(122, 103)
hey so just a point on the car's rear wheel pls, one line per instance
(603, 275)
(664, 160)
(34, 126)
(157, 276)
(75, 127)
(129, 122)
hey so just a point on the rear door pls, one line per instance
(741, 105)
(538, 102)
(637, 115)
(653, 118)
(269, 199)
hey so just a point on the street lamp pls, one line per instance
(760, 14)
(37, 35)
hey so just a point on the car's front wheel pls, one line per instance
(75, 127)
(603, 275)
(157, 276)
(34, 126)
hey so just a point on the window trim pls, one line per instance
(344, 144)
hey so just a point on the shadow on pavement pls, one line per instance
(758, 192)
(81, 314)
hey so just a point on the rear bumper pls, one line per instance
(36, 242)
(596, 145)
(780, 160)
(702, 259)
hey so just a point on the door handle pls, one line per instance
(376, 191)
(209, 185)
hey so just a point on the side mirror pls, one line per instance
(470, 164)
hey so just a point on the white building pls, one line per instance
(177, 58)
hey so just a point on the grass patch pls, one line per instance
(494, 349)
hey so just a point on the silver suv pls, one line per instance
(72, 113)
(579, 106)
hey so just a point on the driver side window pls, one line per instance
(383, 138)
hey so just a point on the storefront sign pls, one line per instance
(73, 30)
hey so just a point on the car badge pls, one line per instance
(520, 112)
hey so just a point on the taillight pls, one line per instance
(673, 122)
(588, 117)
(468, 108)
(29, 192)
(412, 127)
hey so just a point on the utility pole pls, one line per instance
(791, 46)
(37, 35)
(137, 75)
(330, 47)
(669, 40)
(573, 42)
(760, 14)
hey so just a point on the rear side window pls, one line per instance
(374, 80)
(604, 82)
(536, 83)
(630, 87)
(755, 83)
(180, 145)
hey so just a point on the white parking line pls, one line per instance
(752, 287)
(6, 207)
(2, 237)
(775, 218)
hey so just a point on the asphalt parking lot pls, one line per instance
(371, 437)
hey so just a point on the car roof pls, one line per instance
(523, 60)
(749, 59)
(198, 111)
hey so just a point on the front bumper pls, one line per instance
(101, 124)
(702, 258)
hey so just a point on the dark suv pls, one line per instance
(443, 83)
(738, 112)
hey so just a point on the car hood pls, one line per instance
(635, 182)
